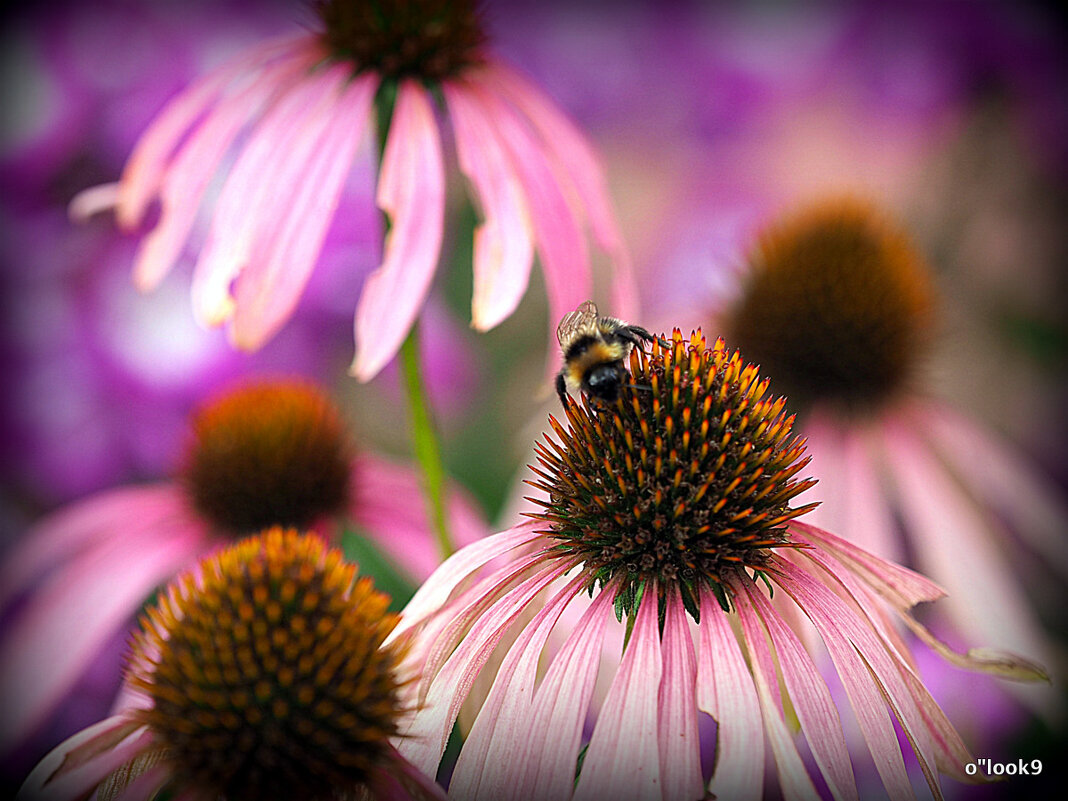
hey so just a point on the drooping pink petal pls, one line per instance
(680, 746)
(423, 742)
(487, 765)
(189, 174)
(388, 503)
(954, 543)
(81, 527)
(504, 248)
(74, 612)
(73, 768)
(578, 166)
(258, 190)
(557, 231)
(552, 747)
(725, 690)
(811, 700)
(399, 781)
(857, 655)
(793, 777)
(281, 262)
(1029, 500)
(623, 758)
(436, 590)
(149, 161)
(411, 190)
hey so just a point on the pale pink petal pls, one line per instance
(551, 753)
(793, 777)
(954, 544)
(281, 262)
(725, 690)
(388, 503)
(623, 759)
(504, 248)
(488, 765)
(811, 700)
(76, 610)
(578, 166)
(824, 446)
(1030, 501)
(80, 527)
(92, 201)
(73, 768)
(149, 161)
(857, 655)
(411, 190)
(680, 745)
(437, 589)
(423, 741)
(194, 166)
(257, 191)
(557, 232)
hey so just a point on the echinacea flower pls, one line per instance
(840, 310)
(261, 674)
(268, 453)
(671, 507)
(300, 107)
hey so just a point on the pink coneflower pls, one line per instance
(839, 310)
(300, 108)
(262, 674)
(671, 508)
(272, 453)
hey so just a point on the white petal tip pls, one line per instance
(92, 201)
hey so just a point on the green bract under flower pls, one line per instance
(268, 454)
(267, 674)
(837, 305)
(424, 39)
(688, 475)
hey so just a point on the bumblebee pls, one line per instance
(595, 349)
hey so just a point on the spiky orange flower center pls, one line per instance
(689, 474)
(837, 307)
(425, 39)
(267, 674)
(268, 454)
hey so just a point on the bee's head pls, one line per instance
(603, 381)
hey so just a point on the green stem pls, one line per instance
(425, 441)
(420, 422)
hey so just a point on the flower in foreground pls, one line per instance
(300, 107)
(268, 453)
(671, 508)
(840, 310)
(259, 674)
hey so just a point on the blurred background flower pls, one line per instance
(710, 119)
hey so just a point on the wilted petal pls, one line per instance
(504, 249)
(411, 190)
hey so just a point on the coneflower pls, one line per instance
(671, 509)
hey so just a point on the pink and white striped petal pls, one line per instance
(488, 762)
(810, 698)
(504, 248)
(725, 690)
(282, 261)
(680, 746)
(623, 758)
(194, 166)
(411, 190)
(256, 193)
(547, 766)
(49, 642)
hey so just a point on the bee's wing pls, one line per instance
(584, 318)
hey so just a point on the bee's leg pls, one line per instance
(561, 389)
(633, 333)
